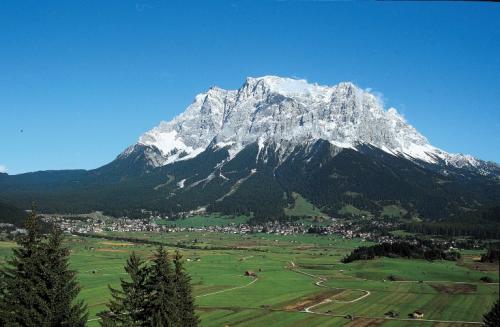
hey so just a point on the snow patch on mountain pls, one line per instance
(181, 183)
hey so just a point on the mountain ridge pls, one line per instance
(248, 151)
(275, 109)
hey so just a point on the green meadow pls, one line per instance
(295, 274)
(198, 221)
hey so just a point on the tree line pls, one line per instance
(492, 253)
(478, 224)
(420, 249)
(478, 230)
(38, 289)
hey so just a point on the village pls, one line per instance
(97, 223)
(372, 230)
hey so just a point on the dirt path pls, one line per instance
(308, 309)
(356, 318)
(320, 282)
(246, 258)
(229, 289)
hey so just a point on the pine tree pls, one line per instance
(23, 303)
(157, 296)
(61, 284)
(4, 310)
(126, 307)
(38, 288)
(162, 306)
(492, 318)
(185, 300)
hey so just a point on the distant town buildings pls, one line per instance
(98, 223)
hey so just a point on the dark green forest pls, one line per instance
(416, 249)
(261, 184)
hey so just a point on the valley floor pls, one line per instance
(299, 281)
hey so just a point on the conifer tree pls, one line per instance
(492, 318)
(126, 307)
(62, 287)
(4, 310)
(185, 300)
(158, 295)
(38, 288)
(162, 306)
(23, 303)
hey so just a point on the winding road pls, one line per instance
(321, 280)
(319, 283)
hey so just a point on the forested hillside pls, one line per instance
(10, 214)
(340, 182)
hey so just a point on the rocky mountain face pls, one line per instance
(264, 149)
(286, 113)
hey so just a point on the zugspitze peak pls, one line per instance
(286, 112)
(252, 150)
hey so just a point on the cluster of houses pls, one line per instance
(98, 223)
(8, 230)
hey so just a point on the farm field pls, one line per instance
(300, 280)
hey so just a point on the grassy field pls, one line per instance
(205, 220)
(393, 211)
(295, 274)
(349, 209)
(302, 207)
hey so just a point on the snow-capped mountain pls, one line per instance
(285, 113)
(267, 147)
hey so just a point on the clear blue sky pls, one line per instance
(83, 79)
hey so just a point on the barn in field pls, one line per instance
(417, 314)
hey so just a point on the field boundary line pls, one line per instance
(442, 281)
(421, 281)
